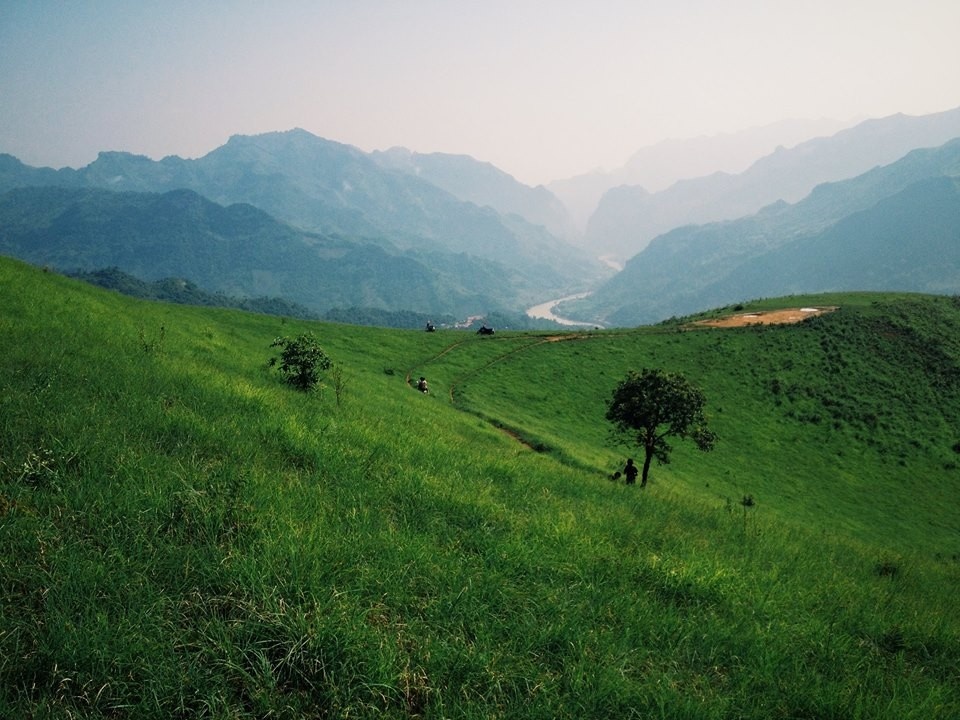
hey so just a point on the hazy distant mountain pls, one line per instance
(241, 251)
(909, 241)
(485, 185)
(629, 217)
(658, 166)
(324, 186)
(896, 227)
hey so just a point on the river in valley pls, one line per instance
(545, 310)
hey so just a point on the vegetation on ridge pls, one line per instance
(183, 535)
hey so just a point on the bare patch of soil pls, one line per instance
(766, 317)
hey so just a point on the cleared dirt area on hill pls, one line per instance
(766, 317)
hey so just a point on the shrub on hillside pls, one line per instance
(301, 360)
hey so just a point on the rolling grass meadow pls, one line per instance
(182, 535)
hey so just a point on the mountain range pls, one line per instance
(334, 225)
(896, 227)
(238, 250)
(327, 226)
(657, 167)
(629, 216)
(484, 185)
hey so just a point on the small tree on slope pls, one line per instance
(651, 406)
(301, 360)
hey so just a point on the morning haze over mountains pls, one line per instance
(681, 227)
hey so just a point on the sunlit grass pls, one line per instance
(183, 535)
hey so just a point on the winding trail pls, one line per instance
(535, 341)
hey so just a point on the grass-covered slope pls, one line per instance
(847, 419)
(181, 535)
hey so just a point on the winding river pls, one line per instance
(545, 311)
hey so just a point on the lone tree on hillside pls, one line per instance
(301, 360)
(652, 405)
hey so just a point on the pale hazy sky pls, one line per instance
(543, 90)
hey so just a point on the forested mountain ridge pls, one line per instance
(185, 292)
(242, 251)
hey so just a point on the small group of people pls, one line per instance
(422, 385)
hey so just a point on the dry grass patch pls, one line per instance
(783, 316)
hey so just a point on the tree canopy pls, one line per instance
(651, 406)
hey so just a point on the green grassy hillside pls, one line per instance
(844, 420)
(183, 535)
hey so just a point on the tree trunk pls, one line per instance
(646, 466)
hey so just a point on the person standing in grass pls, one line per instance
(630, 470)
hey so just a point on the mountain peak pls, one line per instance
(294, 135)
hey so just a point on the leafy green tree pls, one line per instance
(651, 406)
(301, 360)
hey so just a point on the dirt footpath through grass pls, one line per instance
(766, 317)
